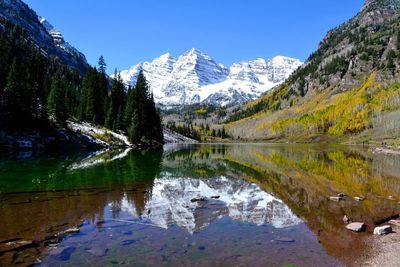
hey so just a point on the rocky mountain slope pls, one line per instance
(195, 77)
(347, 87)
(49, 40)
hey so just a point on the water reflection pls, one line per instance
(170, 204)
(266, 193)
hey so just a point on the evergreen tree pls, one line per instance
(56, 102)
(102, 65)
(129, 108)
(103, 89)
(390, 61)
(12, 99)
(145, 124)
(115, 116)
(223, 133)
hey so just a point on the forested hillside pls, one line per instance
(38, 92)
(348, 87)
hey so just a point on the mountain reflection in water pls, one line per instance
(135, 207)
(170, 204)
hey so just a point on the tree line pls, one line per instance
(40, 92)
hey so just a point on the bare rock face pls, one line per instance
(356, 227)
(383, 230)
(371, 5)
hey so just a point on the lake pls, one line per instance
(264, 205)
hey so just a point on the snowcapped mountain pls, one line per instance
(195, 77)
(170, 204)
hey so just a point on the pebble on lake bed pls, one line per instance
(346, 219)
(383, 230)
(356, 227)
(395, 222)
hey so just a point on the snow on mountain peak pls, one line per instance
(194, 77)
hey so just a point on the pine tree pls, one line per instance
(56, 102)
(109, 122)
(223, 132)
(11, 102)
(390, 61)
(102, 65)
(145, 122)
(117, 105)
(103, 89)
(130, 103)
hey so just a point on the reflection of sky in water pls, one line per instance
(169, 203)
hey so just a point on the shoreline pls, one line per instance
(382, 250)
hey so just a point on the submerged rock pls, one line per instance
(65, 254)
(356, 227)
(198, 199)
(285, 240)
(73, 230)
(383, 230)
(346, 219)
(98, 252)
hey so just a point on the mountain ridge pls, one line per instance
(19, 13)
(194, 77)
(333, 93)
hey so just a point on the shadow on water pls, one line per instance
(265, 205)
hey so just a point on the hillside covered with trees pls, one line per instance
(40, 93)
(347, 89)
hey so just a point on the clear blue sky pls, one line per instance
(129, 31)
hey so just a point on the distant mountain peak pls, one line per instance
(194, 77)
(195, 54)
(195, 51)
(165, 56)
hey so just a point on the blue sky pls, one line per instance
(129, 31)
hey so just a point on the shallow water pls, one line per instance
(271, 206)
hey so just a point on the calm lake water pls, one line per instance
(271, 206)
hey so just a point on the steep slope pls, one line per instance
(342, 89)
(195, 77)
(42, 33)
